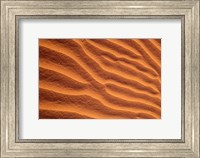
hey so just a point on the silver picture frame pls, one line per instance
(14, 10)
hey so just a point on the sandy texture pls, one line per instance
(99, 78)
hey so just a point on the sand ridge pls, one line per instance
(99, 78)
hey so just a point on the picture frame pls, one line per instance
(13, 11)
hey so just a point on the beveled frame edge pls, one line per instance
(10, 148)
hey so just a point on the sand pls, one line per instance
(99, 78)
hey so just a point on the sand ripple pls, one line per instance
(99, 78)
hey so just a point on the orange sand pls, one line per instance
(100, 78)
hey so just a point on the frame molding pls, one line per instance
(13, 10)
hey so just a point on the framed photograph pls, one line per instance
(100, 78)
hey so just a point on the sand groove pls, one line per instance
(99, 78)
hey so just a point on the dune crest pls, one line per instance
(99, 78)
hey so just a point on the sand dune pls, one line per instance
(99, 78)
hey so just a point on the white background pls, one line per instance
(168, 127)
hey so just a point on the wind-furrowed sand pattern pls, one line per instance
(99, 78)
